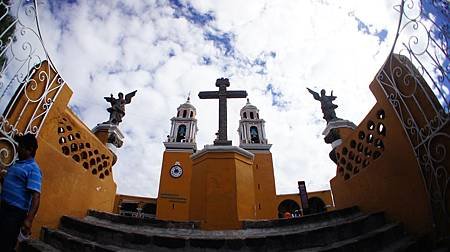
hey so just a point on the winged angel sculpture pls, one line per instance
(326, 102)
(117, 109)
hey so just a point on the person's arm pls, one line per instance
(28, 222)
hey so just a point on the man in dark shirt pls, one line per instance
(20, 195)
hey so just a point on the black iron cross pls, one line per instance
(222, 95)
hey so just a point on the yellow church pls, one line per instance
(223, 196)
(391, 190)
(220, 185)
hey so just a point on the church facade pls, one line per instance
(219, 186)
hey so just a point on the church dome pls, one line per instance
(249, 111)
(249, 106)
(187, 105)
(186, 110)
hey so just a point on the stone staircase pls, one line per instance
(340, 230)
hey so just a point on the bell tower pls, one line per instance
(176, 170)
(184, 127)
(251, 128)
(252, 137)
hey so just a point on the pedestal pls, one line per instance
(109, 134)
(334, 132)
(223, 191)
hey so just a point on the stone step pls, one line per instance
(375, 240)
(331, 216)
(58, 239)
(152, 222)
(32, 245)
(407, 243)
(147, 237)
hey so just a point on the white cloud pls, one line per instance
(112, 47)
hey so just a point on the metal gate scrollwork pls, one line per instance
(415, 80)
(29, 83)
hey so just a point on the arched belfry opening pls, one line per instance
(254, 136)
(181, 134)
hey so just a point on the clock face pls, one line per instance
(176, 171)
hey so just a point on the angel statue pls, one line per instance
(117, 109)
(326, 102)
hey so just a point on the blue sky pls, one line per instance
(272, 49)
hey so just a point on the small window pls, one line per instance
(257, 115)
(245, 115)
(192, 114)
(251, 115)
(178, 114)
(184, 113)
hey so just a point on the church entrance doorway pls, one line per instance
(287, 206)
(316, 205)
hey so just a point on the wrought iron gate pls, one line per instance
(416, 82)
(22, 57)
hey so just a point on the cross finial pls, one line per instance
(222, 82)
(222, 95)
(189, 97)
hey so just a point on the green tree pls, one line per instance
(5, 23)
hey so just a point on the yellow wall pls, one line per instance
(130, 198)
(174, 193)
(393, 182)
(264, 185)
(222, 192)
(68, 188)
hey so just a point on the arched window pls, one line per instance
(257, 115)
(251, 115)
(287, 206)
(316, 205)
(178, 114)
(245, 115)
(192, 114)
(254, 136)
(149, 208)
(184, 113)
(181, 133)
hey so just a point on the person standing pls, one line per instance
(20, 195)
